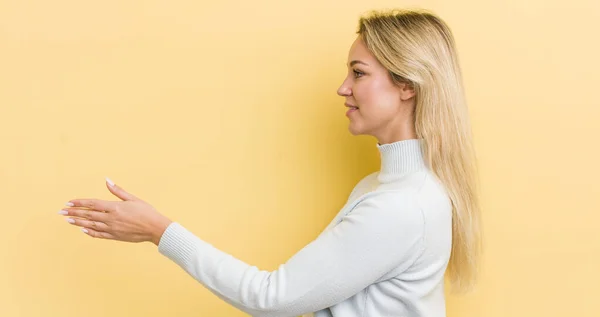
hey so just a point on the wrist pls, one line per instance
(159, 230)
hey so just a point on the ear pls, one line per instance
(407, 91)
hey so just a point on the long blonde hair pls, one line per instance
(417, 47)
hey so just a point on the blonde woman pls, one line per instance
(403, 228)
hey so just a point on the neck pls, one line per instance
(400, 158)
(404, 129)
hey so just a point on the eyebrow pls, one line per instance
(358, 62)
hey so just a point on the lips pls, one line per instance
(352, 107)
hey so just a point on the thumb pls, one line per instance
(118, 191)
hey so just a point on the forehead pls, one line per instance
(359, 51)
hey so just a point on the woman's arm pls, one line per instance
(381, 233)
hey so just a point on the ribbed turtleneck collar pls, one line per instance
(399, 158)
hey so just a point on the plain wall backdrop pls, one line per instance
(224, 116)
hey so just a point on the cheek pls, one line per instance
(363, 94)
(373, 100)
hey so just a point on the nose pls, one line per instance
(344, 89)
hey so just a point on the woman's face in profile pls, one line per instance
(379, 103)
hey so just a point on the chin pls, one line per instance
(354, 130)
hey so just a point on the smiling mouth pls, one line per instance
(350, 106)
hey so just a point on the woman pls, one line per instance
(403, 227)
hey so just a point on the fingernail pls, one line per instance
(69, 220)
(70, 204)
(111, 183)
(63, 212)
(84, 230)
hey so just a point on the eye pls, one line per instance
(357, 73)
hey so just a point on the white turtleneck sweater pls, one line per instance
(384, 254)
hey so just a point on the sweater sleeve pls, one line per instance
(381, 233)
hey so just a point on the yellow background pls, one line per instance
(224, 116)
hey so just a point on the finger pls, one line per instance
(96, 225)
(85, 213)
(97, 234)
(94, 204)
(118, 191)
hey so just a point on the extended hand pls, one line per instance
(130, 220)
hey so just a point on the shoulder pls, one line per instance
(398, 207)
(434, 200)
(420, 194)
(423, 184)
(364, 185)
(414, 196)
(367, 180)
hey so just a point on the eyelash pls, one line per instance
(357, 72)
